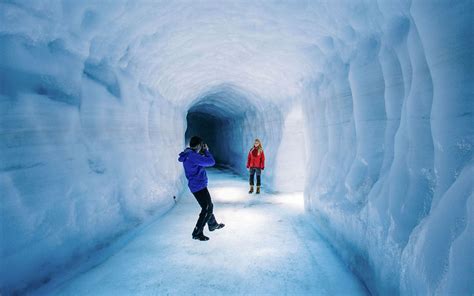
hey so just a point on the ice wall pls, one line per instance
(81, 158)
(369, 102)
(391, 125)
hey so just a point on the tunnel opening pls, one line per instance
(207, 126)
(229, 119)
(223, 117)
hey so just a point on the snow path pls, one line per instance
(267, 247)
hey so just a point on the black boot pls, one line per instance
(200, 237)
(197, 234)
(217, 226)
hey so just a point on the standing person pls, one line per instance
(195, 158)
(255, 164)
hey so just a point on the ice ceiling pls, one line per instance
(181, 49)
(366, 105)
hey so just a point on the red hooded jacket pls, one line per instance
(255, 160)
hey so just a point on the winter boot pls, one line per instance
(197, 234)
(258, 190)
(251, 189)
(200, 237)
(217, 226)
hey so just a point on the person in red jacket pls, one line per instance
(255, 164)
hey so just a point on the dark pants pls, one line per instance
(252, 174)
(206, 216)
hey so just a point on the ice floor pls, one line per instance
(267, 247)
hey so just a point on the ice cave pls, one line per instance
(364, 109)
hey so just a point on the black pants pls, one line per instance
(252, 174)
(206, 216)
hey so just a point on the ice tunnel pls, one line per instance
(365, 105)
(228, 119)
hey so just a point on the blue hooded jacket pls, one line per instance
(194, 164)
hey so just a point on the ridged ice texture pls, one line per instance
(93, 106)
(391, 169)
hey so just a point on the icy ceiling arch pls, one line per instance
(179, 48)
(372, 98)
(227, 101)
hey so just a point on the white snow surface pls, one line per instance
(366, 105)
(268, 247)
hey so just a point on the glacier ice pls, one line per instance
(367, 105)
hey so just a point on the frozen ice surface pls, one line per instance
(267, 247)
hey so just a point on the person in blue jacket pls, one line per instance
(195, 158)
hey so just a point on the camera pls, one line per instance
(203, 147)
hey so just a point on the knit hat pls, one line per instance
(195, 141)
